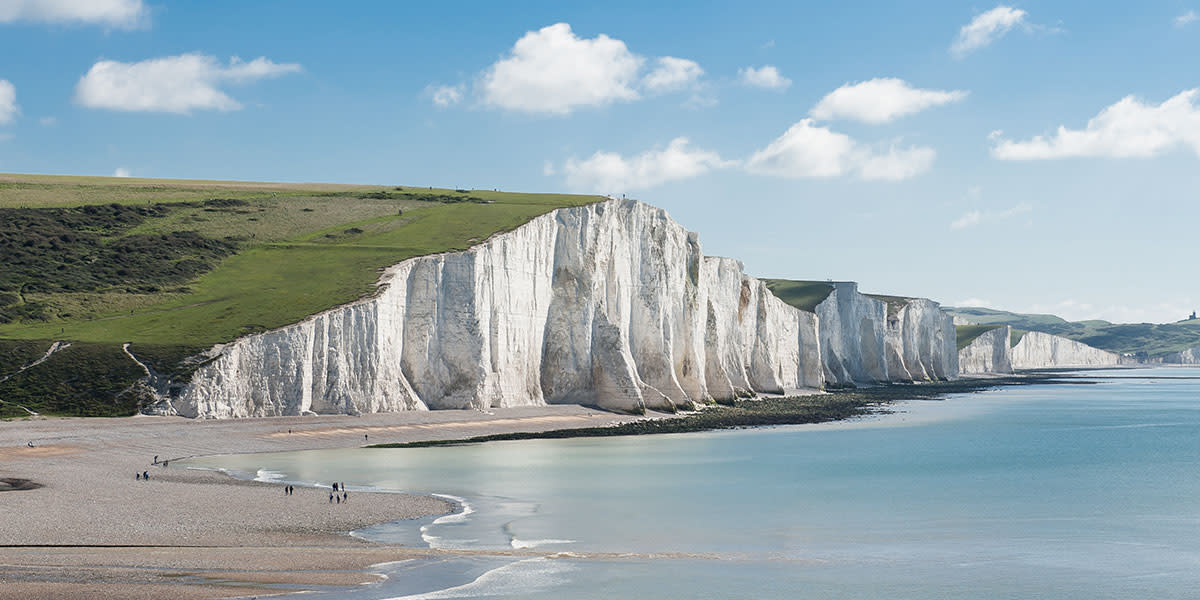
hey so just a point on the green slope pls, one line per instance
(804, 295)
(965, 334)
(175, 266)
(125, 274)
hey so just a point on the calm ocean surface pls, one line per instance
(1056, 491)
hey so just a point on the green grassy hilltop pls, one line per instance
(804, 295)
(173, 266)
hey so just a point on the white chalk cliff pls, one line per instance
(611, 304)
(987, 353)
(1037, 350)
(1191, 356)
(921, 343)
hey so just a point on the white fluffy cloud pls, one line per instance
(672, 74)
(174, 84)
(986, 28)
(767, 77)
(122, 172)
(608, 172)
(554, 71)
(979, 217)
(1128, 129)
(445, 95)
(881, 100)
(8, 102)
(123, 14)
(808, 150)
(1186, 18)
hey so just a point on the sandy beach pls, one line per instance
(89, 528)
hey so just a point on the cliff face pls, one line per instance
(1191, 356)
(853, 328)
(1038, 350)
(611, 304)
(863, 343)
(920, 343)
(988, 353)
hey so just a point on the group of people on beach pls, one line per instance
(333, 495)
(145, 475)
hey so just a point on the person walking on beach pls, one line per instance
(331, 497)
(146, 475)
(345, 495)
(138, 476)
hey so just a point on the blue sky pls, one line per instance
(915, 150)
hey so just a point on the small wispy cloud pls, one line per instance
(445, 95)
(987, 28)
(767, 77)
(672, 74)
(122, 172)
(974, 303)
(881, 100)
(1186, 19)
(979, 217)
(8, 102)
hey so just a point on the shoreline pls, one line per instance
(826, 407)
(92, 529)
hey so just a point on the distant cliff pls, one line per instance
(1037, 350)
(986, 351)
(1191, 356)
(990, 350)
(611, 304)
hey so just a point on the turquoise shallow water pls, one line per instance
(1057, 491)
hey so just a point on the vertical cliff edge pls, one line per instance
(611, 304)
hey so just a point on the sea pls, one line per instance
(1081, 490)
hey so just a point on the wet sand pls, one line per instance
(93, 530)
